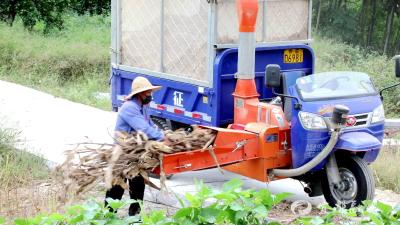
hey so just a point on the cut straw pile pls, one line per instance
(133, 155)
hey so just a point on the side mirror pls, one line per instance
(397, 65)
(273, 76)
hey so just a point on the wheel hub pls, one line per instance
(346, 191)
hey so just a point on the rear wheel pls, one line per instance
(357, 183)
(161, 123)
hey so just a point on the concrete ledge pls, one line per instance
(392, 123)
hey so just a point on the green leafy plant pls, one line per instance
(330, 217)
(231, 205)
(380, 213)
(90, 213)
(370, 212)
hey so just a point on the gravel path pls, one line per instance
(49, 124)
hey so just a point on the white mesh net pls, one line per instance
(140, 33)
(278, 20)
(186, 38)
(183, 47)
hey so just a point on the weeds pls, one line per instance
(387, 174)
(17, 167)
(19, 171)
(335, 56)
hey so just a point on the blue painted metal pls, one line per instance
(357, 141)
(219, 105)
(370, 156)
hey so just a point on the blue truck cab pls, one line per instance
(318, 94)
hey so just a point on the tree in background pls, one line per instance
(33, 11)
(8, 11)
(371, 24)
(50, 12)
(99, 7)
(392, 7)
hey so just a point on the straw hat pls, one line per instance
(141, 84)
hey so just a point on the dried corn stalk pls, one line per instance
(133, 155)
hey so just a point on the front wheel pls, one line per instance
(357, 183)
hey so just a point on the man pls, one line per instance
(133, 117)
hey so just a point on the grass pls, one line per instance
(20, 171)
(387, 174)
(18, 167)
(72, 63)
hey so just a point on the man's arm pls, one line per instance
(136, 120)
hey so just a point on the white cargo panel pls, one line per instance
(277, 21)
(177, 39)
(185, 38)
(140, 33)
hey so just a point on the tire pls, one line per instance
(161, 123)
(359, 181)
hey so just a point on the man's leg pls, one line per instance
(136, 191)
(116, 192)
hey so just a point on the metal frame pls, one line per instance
(162, 25)
(264, 21)
(309, 19)
(266, 44)
(114, 33)
(213, 46)
(162, 75)
(211, 39)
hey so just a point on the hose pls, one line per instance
(314, 162)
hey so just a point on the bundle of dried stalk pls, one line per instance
(133, 155)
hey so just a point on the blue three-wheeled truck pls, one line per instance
(329, 125)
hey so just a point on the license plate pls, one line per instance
(293, 56)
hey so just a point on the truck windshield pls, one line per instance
(333, 85)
